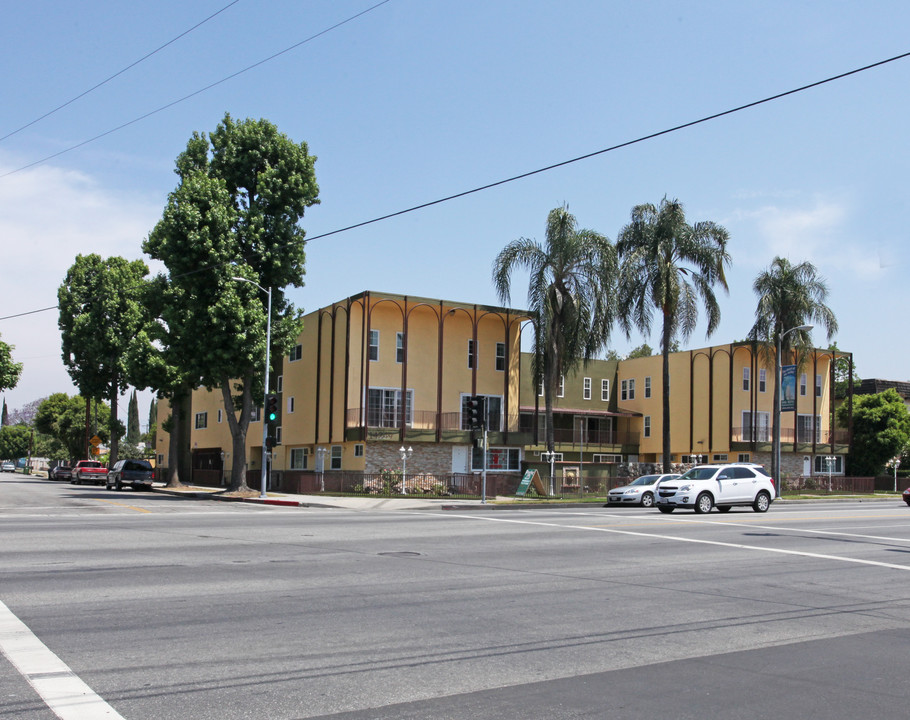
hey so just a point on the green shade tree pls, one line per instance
(132, 420)
(242, 191)
(671, 267)
(10, 371)
(101, 314)
(881, 431)
(4, 417)
(570, 294)
(62, 417)
(789, 296)
(14, 441)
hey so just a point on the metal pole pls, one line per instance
(265, 425)
(483, 496)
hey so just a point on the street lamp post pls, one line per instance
(404, 455)
(551, 458)
(778, 390)
(320, 466)
(268, 347)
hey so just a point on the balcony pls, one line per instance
(802, 436)
(424, 425)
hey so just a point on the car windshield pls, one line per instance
(699, 473)
(90, 463)
(759, 469)
(645, 480)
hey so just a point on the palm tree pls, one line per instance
(789, 297)
(668, 265)
(570, 294)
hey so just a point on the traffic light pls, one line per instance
(271, 408)
(476, 413)
(270, 442)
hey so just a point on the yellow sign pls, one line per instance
(95, 450)
(96, 441)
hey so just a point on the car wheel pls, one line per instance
(762, 502)
(723, 508)
(704, 503)
(119, 486)
(666, 510)
(108, 486)
(647, 500)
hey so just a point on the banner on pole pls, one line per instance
(788, 388)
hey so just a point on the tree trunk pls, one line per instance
(665, 391)
(238, 427)
(115, 435)
(178, 406)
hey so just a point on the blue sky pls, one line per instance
(415, 101)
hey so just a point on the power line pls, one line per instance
(195, 93)
(118, 73)
(563, 163)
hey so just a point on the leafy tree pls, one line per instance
(642, 351)
(570, 293)
(881, 431)
(132, 421)
(789, 296)
(4, 418)
(234, 213)
(14, 441)
(10, 371)
(62, 418)
(24, 415)
(153, 423)
(101, 315)
(668, 266)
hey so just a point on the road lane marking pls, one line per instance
(675, 538)
(59, 687)
(119, 504)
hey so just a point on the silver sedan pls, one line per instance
(640, 491)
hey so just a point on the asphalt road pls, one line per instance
(180, 608)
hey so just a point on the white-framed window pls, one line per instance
(818, 386)
(470, 354)
(399, 347)
(202, 420)
(743, 457)
(278, 434)
(335, 462)
(823, 463)
(808, 426)
(557, 457)
(747, 378)
(540, 389)
(300, 458)
(608, 458)
(255, 414)
(561, 390)
(290, 404)
(803, 384)
(719, 457)
(296, 353)
(587, 388)
(762, 380)
(501, 356)
(374, 345)
(279, 384)
(605, 390)
(492, 412)
(384, 407)
(358, 450)
(627, 389)
(502, 459)
(648, 386)
(220, 415)
(647, 426)
(756, 426)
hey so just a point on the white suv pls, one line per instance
(721, 486)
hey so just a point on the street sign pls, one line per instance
(95, 441)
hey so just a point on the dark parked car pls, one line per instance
(61, 472)
(131, 472)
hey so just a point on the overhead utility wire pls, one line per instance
(194, 94)
(547, 168)
(118, 73)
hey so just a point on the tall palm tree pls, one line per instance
(668, 265)
(570, 293)
(789, 296)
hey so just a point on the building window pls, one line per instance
(470, 354)
(492, 412)
(384, 407)
(374, 345)
(647, 426)
(256, 414)
(719, 457)
(502, 459)
(540, 389)
(202, 420)
(756, 426)
(290, 404)
(279, 384)
(587, 388)
(818, 386)
(747, 378)
(399, 347)
(605, 390)
(296, 353)
(358, 450)
(624, 390)
(335, 463)
(501, 356)
(631, 382)
(829, 463)
(762, 380)
(803, 384)
(743, 457)
(805, 424)
(557, 457)
(561, 391)
(300, 458)
(648, 386)
(219, 415)
(278, 435)
(608, 458)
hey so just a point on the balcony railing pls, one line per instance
(787, 435)
(423, 420)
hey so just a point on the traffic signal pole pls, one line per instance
(265, 424)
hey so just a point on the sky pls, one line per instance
(405, 102)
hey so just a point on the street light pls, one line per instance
(776, 444)
(320, 466)
(268, 344)
(551, 458)
(404, 454)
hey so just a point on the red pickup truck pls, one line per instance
(89, 471)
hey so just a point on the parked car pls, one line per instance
(61, 472)
(90, 471)
(906, 496)
(641, 491)
(9, 466)
(131, 472)
(722, 486)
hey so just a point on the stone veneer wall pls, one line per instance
(428, 458)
